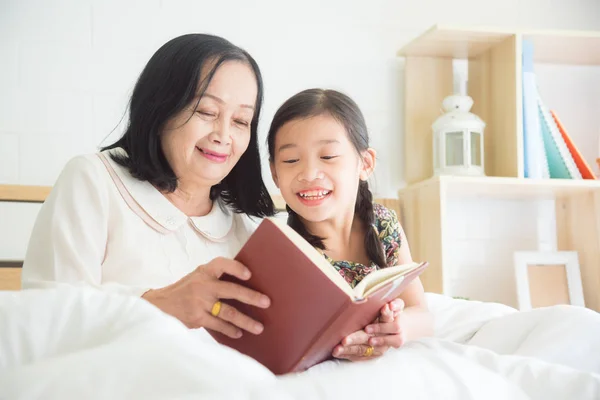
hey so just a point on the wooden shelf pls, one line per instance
(551, 46)
(453, 42)
(494, 58)
(507, 188)
(565, 47)
(23, 193)
(495, 84)
(577, 213)
(494, 73)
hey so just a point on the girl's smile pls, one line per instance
(314, 196)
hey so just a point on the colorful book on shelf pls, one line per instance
(534, 154)
(560, 161)
(582, 165)
(312, 306)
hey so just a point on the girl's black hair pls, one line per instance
(314, 102)
(167, 85)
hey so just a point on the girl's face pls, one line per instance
(203, 150)
(317, 168)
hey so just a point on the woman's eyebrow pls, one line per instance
(221, 101)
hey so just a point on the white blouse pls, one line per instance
(101, 227)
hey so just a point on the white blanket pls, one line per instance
(81, 343)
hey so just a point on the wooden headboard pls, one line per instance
(22, 193)
(10, 271)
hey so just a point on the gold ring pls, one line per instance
(368, 352)
(216, 309)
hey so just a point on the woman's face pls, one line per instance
(203, 150)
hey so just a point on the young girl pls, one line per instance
(320, 160)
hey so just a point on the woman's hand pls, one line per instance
(191, 299)
(379, 336)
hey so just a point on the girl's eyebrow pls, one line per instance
(321, 142)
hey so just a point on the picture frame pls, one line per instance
(546, 278)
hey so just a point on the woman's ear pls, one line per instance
(368, 163)
(273, 174)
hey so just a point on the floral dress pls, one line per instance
(387, 228)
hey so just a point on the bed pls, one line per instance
(82, 343)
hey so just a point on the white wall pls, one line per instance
(68, 66)
(481, 240)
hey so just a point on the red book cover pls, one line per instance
(312, 307)
(582, 165)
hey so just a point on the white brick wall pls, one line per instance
(68, 66)
(482, 236)
(17, 223)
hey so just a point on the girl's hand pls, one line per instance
(389, 331)
(376, 338)
(192, 299)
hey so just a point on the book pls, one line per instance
(312, 306)
(534, 154)
(584, 168)
(560, 161)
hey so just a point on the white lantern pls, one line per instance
(458, 139)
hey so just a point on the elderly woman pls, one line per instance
(161, 212)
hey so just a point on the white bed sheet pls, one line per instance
(82, 343)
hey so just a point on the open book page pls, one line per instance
(381, 277)
(317, 258)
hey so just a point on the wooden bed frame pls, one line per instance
(10, 271)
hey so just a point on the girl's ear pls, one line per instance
(274, 174)
(368, 163)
